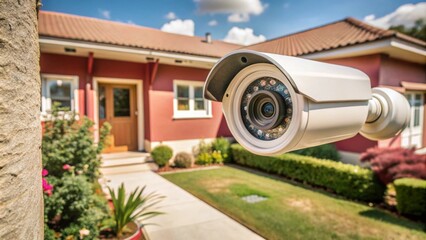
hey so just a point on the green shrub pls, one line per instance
(67, 141)
(162, 154)
(326, 151)
(411, 196)
(217, 157)
(73, 206)
(223, 146)
(204, 159)
(347, 180)
(202, 147)
(183, 160)
(70, 156)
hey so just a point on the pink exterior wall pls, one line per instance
(163, 126)
(394, 71)
(159, 124)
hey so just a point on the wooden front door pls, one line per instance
(117, 105)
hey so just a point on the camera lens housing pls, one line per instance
(266, 108)
(275, 106)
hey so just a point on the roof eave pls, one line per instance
(392, 46)
(93, 46)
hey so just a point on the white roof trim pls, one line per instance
(398, 43)
(381, 44)
(115, 48)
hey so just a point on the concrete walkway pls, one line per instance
(186, 216)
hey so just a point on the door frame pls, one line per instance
(139, 104)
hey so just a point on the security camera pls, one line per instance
(275, 104)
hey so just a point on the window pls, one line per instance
(188, 100)
(58, 89)
(121, 102)
(413, 133)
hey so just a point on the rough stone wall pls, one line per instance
(21, 202)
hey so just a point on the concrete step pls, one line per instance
(129, 168)
(124, 161)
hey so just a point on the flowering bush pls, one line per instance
(71, 166)
(69, 142)
(390, 164)
(212, 153)
(73, 206)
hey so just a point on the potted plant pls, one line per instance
(130, 213)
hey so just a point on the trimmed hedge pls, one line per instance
(411, 196)
(344, 179)
(326, 151)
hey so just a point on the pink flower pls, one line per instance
(66, 167)
(44, 172)
(47, 188)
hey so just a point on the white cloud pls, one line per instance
(240, 10)
(369, 18)
(105, 13)
(239, 17)
(405, 15)
(185, 27)
(212, 23)
(244, 36)
(171, 16)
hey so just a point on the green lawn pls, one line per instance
(292, 211)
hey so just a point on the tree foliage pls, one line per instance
(417, 31)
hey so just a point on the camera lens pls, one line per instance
(266, 108)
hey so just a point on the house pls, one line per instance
(146, 83)
(390, 59)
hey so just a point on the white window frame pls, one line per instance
(408, 131)
(191, 113)
(46, 101)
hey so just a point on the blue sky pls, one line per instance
(270, 18)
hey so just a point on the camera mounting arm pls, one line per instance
(388, 114)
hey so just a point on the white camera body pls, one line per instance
(274, 104)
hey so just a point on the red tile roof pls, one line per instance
(338, 34)
(66, 26)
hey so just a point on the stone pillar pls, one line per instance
(21, 199)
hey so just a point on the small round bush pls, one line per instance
(161, 155)
(183, 160)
